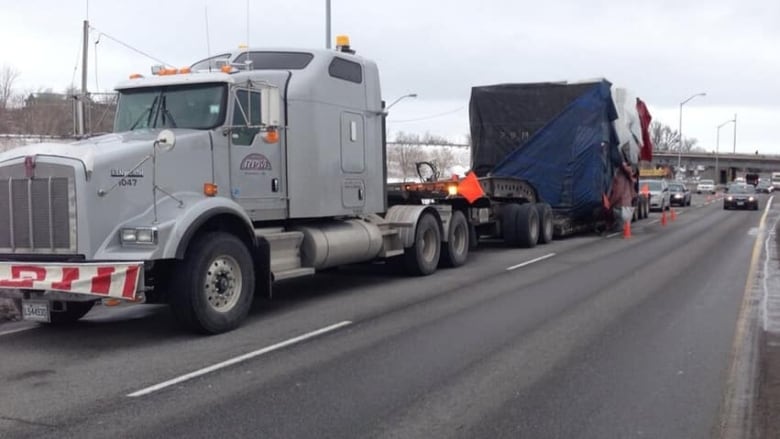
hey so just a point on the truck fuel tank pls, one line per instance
(339, 242)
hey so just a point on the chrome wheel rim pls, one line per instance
(223, 283)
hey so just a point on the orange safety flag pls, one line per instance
(470, 188)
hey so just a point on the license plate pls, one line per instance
(740, 203)
(36, 311)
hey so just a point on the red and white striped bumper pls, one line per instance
(119, 280)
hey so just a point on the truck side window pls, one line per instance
(246, 117)
(346, 70)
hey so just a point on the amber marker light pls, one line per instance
(271, 136)
(209, 189)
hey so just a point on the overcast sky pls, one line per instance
(662, 50)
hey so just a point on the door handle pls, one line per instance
(275, 185)
(360, 194)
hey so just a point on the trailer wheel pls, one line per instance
(422, 257)
(527, 226)
(545, 222)
(214, 284)
(73, 312)
(455, 251)
(509, 214)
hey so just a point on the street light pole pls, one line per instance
(717, 147)
(410, 95)
(679, 148)
(734, 151)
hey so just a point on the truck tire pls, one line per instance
(509, 214)
(422, 258)
(73, 312)
(527, 226)
(545, 222)
(455, 251)
(214, 284)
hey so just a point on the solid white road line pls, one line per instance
(14, 331)
(523, 264)
(612, 235)
(239, 359)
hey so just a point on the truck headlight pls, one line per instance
(138, 235)
(751, 199)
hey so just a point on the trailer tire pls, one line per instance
(455, 251)
(73, 312)
(545, 222)
(422, 258)
(214, 284)
(509, 213)
(527, 226)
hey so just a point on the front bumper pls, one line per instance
(740, 204)
(67, 281)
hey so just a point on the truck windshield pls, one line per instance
(200, 106)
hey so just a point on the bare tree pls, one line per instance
(663, 137)
(404, 154)
(433, 139)
(443, 158)
(8, 76)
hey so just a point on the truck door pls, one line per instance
(257, 179)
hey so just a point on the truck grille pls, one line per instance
(38, 215)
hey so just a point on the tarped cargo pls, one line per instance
(557, 136)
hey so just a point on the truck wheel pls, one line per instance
(455, 251)
(73, 312)
(422, 257)
(545, 222)
(214, 284)
(527, 226)
(509, 214)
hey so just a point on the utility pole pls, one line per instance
(82, 99)
(735, 133)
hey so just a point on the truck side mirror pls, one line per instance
(165, 141)
(270, 107)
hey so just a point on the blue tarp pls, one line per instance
(571, 159)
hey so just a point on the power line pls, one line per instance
(433, 116)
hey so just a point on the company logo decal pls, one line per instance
(255, 162)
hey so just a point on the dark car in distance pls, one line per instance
(679, 195)
(741, 196)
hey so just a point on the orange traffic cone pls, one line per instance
(673, 214)
(627, 230)
(663, 217)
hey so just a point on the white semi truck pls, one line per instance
(213, 185)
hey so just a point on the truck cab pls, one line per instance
(215, 182)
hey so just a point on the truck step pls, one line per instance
(285, 249)
(295, 272)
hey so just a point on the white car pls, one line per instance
(705, 187)
(659, 193)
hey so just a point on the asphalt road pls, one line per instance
(589, 337)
